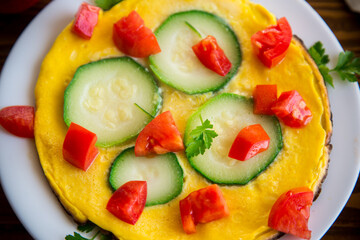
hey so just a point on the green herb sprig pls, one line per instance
(88, 227)
(201, 138)
(347, 67)
(106, 4)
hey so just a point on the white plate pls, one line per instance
(23, 180)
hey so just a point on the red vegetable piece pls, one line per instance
(128, 201)
(291, 212)
(202, 206)
(18, 120)
(272, 43)
(291, 109)
(79, 147)
(133, 38)
(264, 97)
(212, 56)
(187, 216)
(250, 141)
(159, 136)
(85, 21)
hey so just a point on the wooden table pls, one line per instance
(344, 23)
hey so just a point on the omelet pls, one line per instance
(303, 161)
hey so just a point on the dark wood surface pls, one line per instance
(345, 25)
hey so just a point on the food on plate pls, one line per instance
(229, 114)
(163, 174)
(128, 201)
(107, 107)
(264, 96)
(85, 20)
(250, 141)
(202, 206)
(133, 38)
(159, 136)
(18, 120)
(272, 43)
(291, 211)
(177, 65)
(79, 146)
(95, 85)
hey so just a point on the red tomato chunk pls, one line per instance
(212, 56)
(250, 141)
(128, 201)
(202, 206)
(264, 97)
(159, 136)
(291, 109)
(79, 147)
(291, 212)
(133, 38)
(272, 43)
(18, 120)
(85, 21)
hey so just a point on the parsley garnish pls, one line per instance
(88, 227)
(201, 138)
(348, 67)
(106, 4)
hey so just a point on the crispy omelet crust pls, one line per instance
(84, 195)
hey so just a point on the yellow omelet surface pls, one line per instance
(302, 161)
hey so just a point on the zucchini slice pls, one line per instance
(163, 174)
(177, 65)
(101, 98)
(229, 113)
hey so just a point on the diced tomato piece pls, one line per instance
(128, 201)
(202, 206)
(133, 38)
(272, 43)
(79, 147)
(264, 97)
(187, 216)
(250, 141)
(85, 21)
(18, 120)
(291, 212)
(291, 109)
(212, 56)
(159, 136)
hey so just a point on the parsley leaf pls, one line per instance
(201, 138)
(347, 67)
(88, 227)
(76, 236)
(106, 4)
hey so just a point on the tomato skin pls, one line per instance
(187, 216)
(18, 120)
(291, 109)
(202, 206)
(133, 38)
(272, 43)
(212, 56)
(128, 201)
(291, 212)
(160, 136)
(79, 147)
(250, 141)
(264, 97)
(85, 20)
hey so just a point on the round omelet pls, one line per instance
(303, 160)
